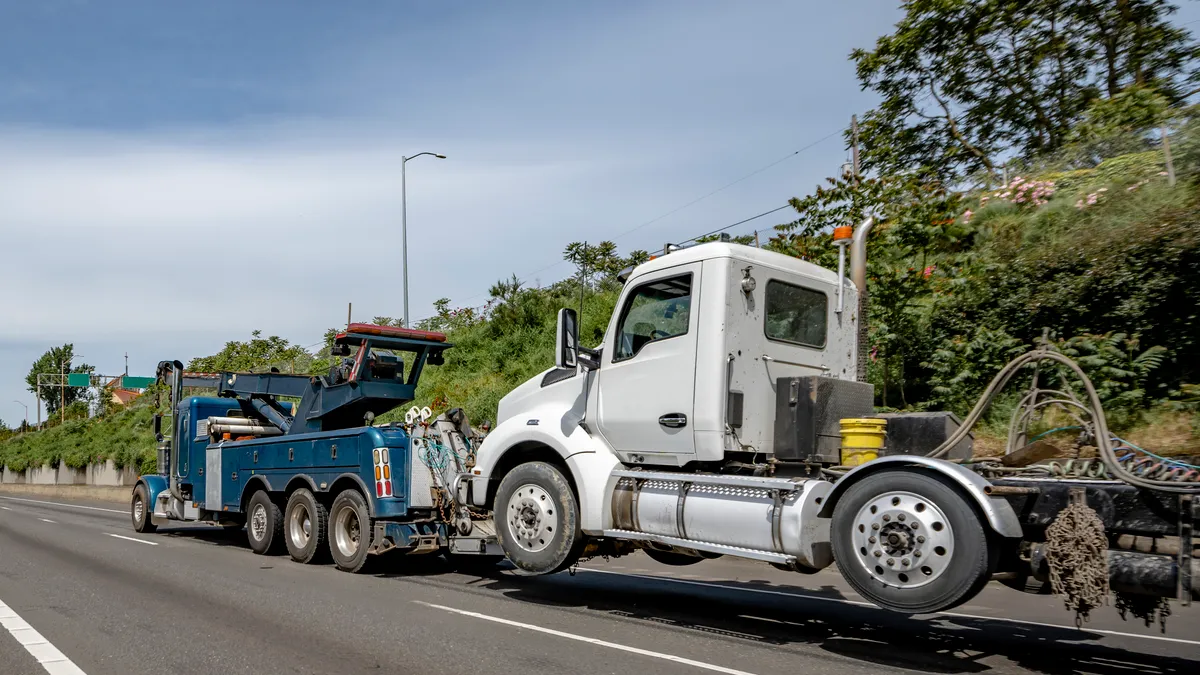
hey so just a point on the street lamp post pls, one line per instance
(26, 412)
(404, 224)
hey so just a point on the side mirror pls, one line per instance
(566, 340)
(158, 428)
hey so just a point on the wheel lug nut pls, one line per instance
(913, 525)
(891, 561)
(916, 554)
(900, 517)
(920, 540)
(878, 554)
(886, 518)
(904, 562)
(871, 539)
(874, 526)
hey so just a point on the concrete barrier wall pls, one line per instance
(104, 474)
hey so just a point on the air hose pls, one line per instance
(1116, 467)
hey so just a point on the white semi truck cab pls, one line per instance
(705, 424)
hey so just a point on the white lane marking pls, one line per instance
(47, 520)
(140, 541)
(70, 506)
(802, 596)
(594, 641)
(50, 658)
(5, 508)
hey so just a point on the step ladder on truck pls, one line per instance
(709, 422)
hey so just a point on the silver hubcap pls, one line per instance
(300, 525)
(258, 522)
(532, 518)
(139, 509)
(346, 532)
(903, 540)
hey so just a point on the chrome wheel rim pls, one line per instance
(903, 540)
(300, 525)
(347, 532)
(258, 522)
(532, 518)
(139, 509)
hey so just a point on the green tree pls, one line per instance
(54, 362)
(258, 353)
(967, 82)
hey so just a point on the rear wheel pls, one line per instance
(140, 510)
(538, 519)
(264, 524)
(910, 542)
(349, 531)
(305, 523)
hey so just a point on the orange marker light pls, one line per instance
(843, 232)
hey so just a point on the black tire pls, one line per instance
(264, 525)
(672, 558)
(141, 510)
(537, 519)
(963, 566)
(349, 531)
(305, 527)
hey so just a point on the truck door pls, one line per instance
(648, 374)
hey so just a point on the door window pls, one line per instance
(795, 314)
(656, 310)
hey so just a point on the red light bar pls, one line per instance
(392, 331)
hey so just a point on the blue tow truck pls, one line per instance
(298, 461)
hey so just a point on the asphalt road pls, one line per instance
(83, 593)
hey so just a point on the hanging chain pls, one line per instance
(1077, 551)
(1145, 607)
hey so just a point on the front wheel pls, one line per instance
(538, 519)
(910, 542)
(140, 511)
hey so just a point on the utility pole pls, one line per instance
(1167, 157)
(756, 244)
(126, 364)
(62, 390)
(349, 311)
(854, 145)
(582, 281)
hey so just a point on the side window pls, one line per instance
(796, 314)
(656, 310)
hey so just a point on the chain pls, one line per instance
(1145, 607)
(1077, 551)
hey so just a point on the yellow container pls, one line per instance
(862, 439)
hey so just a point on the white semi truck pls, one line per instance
(707, 424)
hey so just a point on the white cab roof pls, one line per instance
(740, 253)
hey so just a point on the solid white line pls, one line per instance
(594, 641)
(140, 541)
(802, 596)
(47, 520)
(5, 508)
(50, 658)
(70, 506)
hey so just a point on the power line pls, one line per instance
(740, 222)
(729, 185)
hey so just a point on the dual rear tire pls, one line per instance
(308, 531)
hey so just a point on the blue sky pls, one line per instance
(176, 175)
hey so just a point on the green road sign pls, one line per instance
(130, 382)
(79, 380)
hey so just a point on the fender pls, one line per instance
(154, 485)
(369, 494)
(301, 478)
(252, 485)
(997, 510)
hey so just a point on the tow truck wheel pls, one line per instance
(305, 525)
(349, 531)
(538, 519)
(264, 524)
(910, 542)
(140, 510)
